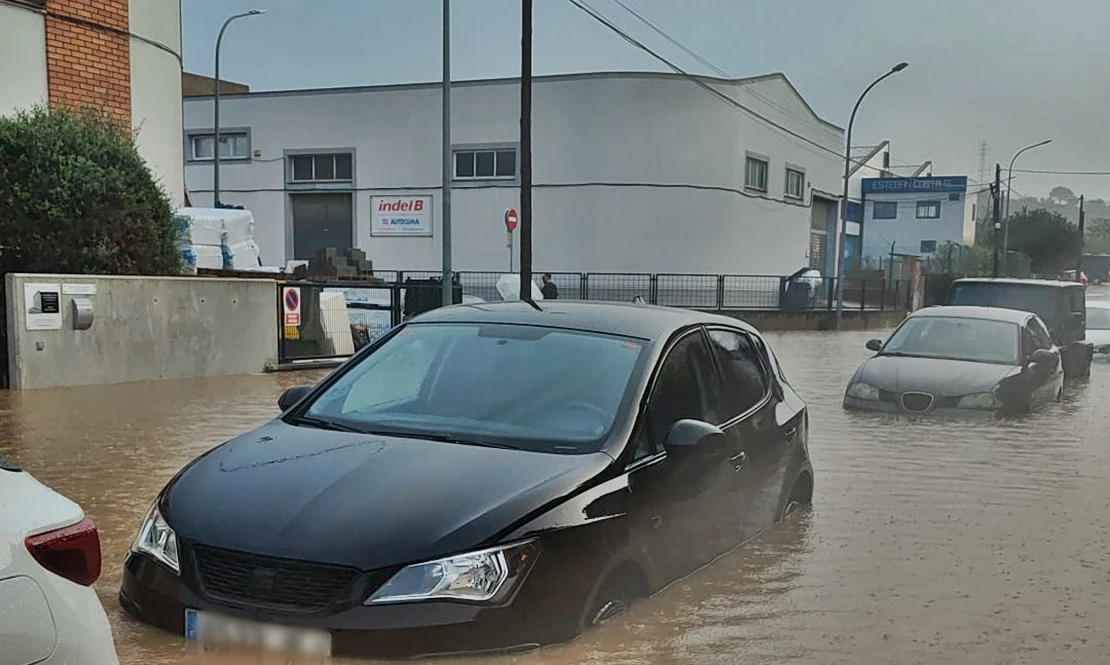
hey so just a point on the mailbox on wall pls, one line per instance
(82, 313)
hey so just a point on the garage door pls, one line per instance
(322, 220)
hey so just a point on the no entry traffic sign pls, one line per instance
(511, 219)
(291, 303)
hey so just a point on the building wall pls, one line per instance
(156, 111)
(120, 55)
(88, 55)
(144, 328)
(907, 232)
(633, 172)
(23, 78)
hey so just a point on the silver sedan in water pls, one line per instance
(960, 361)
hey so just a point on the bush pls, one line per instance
(76, 197)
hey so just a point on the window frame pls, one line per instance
(314, 153)
(801, 174)
(875, 206)
(192, 135)
(921, 247)
(926, 205)
(751, 158)
(485, 181)
(761, 353)
(642, 425)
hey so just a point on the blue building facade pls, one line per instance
(914, 216)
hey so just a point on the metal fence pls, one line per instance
(337, 318)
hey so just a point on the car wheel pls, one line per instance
(801, 495)
(615, 596)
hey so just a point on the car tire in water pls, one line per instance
(801, 495)
(615, 596)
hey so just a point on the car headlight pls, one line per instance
(477, 577)
(861, 390)
(157, 540)
(982, 401)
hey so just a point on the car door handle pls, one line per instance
(790, 435)
(738, 461)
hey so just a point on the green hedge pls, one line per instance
(76, 197)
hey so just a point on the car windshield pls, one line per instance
(956, 338)
(1041, 300)
(516, 386)
(1098, 318)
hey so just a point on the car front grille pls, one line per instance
(257, 580)
(916, 401)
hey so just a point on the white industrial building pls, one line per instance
(915, 216)
(633, 172)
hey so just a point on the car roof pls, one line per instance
(974, 312)
(614, 318)
(1048, 283)
(1099, 303)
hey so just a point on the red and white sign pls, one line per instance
(401, 215)
(291, 304)
(511, 219)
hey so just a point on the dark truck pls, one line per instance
(1061, 305)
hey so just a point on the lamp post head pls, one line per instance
(256, 12)
(900, 66)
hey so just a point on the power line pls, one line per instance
(602, 19)
(1052, 172)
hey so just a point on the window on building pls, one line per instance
(885, 210)
(928, 209)
(928, 246)
(795, 184)
(233, 145)
(483, 164)
(755, 174)
(955, 196)
(324, 167)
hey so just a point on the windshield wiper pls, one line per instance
(322, 423)
(444, 437)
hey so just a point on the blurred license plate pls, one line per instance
(216, 629)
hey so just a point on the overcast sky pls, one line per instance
(1008, 72)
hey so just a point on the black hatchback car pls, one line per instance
(485, 477)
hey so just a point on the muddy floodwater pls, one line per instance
(929, 542)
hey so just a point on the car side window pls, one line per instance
(1040, 334)
(680, 392)
(744, 377)
(1028, 341)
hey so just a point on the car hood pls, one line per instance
(362, 500)
(946, 378)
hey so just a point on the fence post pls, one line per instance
(882, 294)
(830, 289)
(585, 288)
(653, 289)
(862, 294)
(281, 322)
(720, 292)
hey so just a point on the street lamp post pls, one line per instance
(216, 107)
(844, 201)
(1009, 187)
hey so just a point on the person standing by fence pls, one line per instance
(549, 290)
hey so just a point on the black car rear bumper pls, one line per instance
(542, 613)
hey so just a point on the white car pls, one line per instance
(49, 559)
(1098, 325)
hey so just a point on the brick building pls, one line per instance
(120, 55)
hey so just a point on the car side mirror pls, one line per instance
(688, 434)
(1042, 358)
(292, 396)
(874, 345)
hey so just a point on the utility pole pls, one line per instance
(526, 151)
(996, 191)
(448, 171)
(1079, 259)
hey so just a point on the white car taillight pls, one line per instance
(72, 552)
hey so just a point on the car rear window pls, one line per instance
(1042, 301)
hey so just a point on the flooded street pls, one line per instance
(929, 541)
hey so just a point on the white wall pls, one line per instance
(22, 58)
(156, 111)
(633, 172)
(907, 232)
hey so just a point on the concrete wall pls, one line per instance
(633, 172)
(144, 328)
(22, 57)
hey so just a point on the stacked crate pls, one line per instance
(328, 262)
